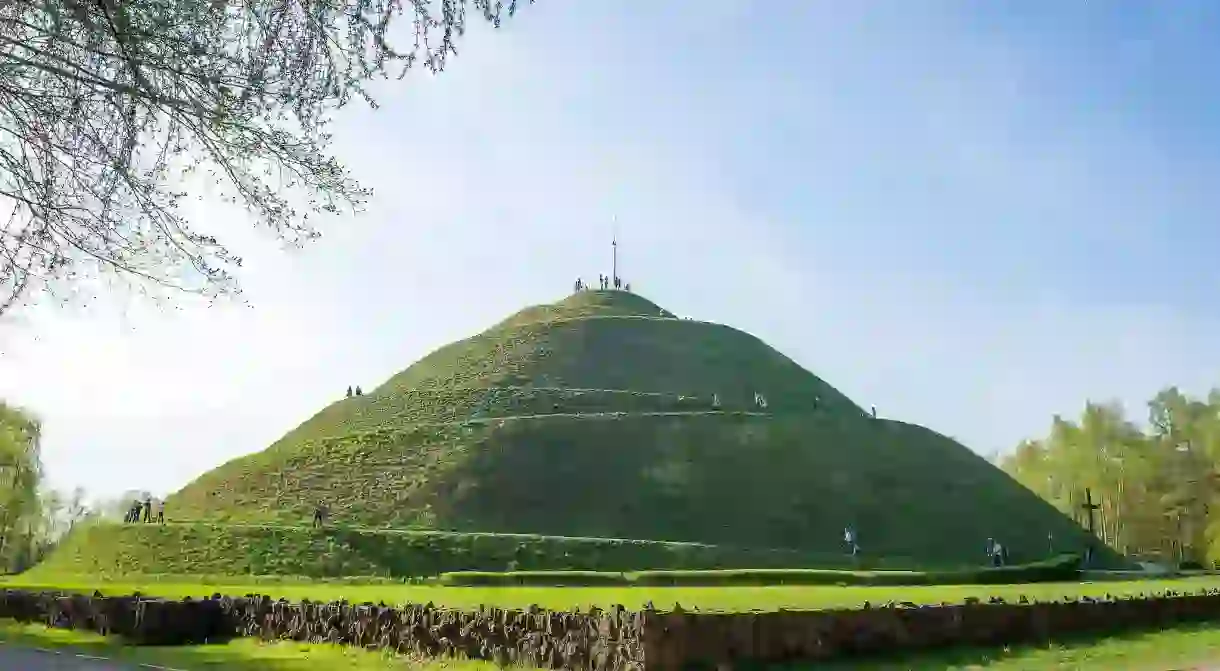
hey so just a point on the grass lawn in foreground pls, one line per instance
(1181, 648)
(1187, 647)
(238, 655)
(563, 598)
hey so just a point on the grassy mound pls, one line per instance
(720, 478)
(585, 304)
(604, 416)
(600, 352)
(116, 551)
(413, 407)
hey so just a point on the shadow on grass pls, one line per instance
(942, 660)
(1183, 647)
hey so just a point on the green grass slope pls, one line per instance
(724, 478)
(115, 551)
(612, 303)
(594, 417)
(596, 351)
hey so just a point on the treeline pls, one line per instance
(32, 517)
(1154, 483)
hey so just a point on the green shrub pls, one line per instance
(534, 578)
(1058, 569)
(727, 577)
(1063, 568)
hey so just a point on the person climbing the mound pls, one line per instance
(319, 515)
(997, 555)
(851, 540)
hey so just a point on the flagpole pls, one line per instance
(614, 250)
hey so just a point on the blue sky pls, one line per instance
(972, 215)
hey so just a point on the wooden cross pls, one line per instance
(1090, 509)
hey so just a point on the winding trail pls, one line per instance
(596, 415)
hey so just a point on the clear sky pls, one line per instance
(972, 215)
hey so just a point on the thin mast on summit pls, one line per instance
(614, 250)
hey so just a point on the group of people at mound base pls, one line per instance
(605, 282)
(148, 510)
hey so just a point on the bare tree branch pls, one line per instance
(106, 105)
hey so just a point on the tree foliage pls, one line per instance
(32, 517)
(20, 476)
(1156, 485)
(106, 106)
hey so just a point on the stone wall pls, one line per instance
(608, 640)
(675, 640)
(613, 640)
(599, 639)
(138, 620)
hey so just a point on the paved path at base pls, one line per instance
(40, 659)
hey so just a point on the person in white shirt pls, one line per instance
(849, 537)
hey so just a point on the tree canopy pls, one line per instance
(20, 477)
(1155, 485)
(106, 106)
(33, 517)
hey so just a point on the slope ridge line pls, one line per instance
(581, 415)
